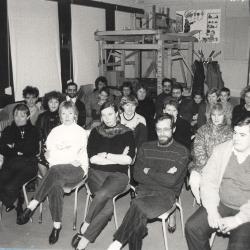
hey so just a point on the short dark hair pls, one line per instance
(71, 84)
(167, 80)
(170, 101)
(177, 86)
(141, 85)
(127, 84)
(244, 91)
(109, 104)
(166, 117)
(101, 79)
(21, 107)
(29, 90)
(212, 91)
(243, 121)
(198, 92)
(105, 89)
(224, 89)
(52, 95)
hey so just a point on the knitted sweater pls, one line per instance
(160, 160)
(207, 137)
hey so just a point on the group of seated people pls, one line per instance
(210, 139)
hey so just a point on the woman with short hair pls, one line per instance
(214, 132)
(19, 145)
(46, 122)
(111, 149)
(67, 156)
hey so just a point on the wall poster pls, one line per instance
(207, 21)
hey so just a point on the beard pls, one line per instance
(165, 140)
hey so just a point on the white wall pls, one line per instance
(85, 21)
(34, 40)
(235, 36)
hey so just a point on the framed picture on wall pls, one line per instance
(207, 21)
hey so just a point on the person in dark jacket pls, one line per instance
(160, 171)
(111, 149)
(182, 133)
(167, 85)
(146, 108)
(19, 145)
(71, 95)
(242, 110)
(46, 122)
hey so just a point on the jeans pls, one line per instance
(104, 186)
(52, 185)
(198, 231)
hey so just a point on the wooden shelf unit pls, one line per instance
(165, 47)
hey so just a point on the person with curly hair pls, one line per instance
(46, 122)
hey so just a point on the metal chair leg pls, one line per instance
(178, 205)
(115, 215)
(1, 210)
(164, 233)
(75, 209)
(211, 240)
(86, 205)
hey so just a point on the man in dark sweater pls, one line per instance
(160, 170)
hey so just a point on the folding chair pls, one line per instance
(68, 189)
(166, 215)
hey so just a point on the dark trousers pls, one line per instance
(198, 231)
(147, 205)
(52, 185)
(104, 186)
(15, 173)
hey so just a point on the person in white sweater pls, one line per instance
(68, 161)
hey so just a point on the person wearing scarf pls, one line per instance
(111, 148)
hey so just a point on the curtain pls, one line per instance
(35, 49)
(85, 21)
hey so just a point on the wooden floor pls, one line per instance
(35, 235)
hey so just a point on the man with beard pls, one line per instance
(71, 95)
(160, 170)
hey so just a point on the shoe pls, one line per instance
(24, 217)
(132, 194)
(19, 210)
(8, 209)
(54, 236)
(171, 229)
(76, 238)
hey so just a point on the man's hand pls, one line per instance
(145, 170)
(214, 220)
(126, 150)
(194, 182)
(227, 224)
(172, 170)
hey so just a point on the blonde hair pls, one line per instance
(69, 105)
